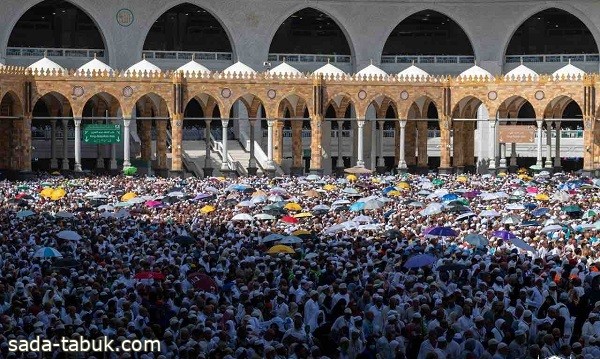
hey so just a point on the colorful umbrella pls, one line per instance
(403, 185)
(329, 187)
(149, 275)
(303, 215)
(281, 249)
(506, 235)
(351, 178)
(203, 282)
(127, 196)
(46, 192)
(57, 194)
(541, 197)
(289, 219)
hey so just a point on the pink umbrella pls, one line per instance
(532, 190)
(153, 204)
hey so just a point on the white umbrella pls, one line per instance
(560, 196)
(122, 213)
(369, 227)
(106, 207)
(264, 216)
(335, 229)
(91, 194)
(211, 189)
(322, 207)
(341, 202)
(511, 220)
(245, 204)
(69, 235)
(47, 252)
(64, 214)
(350, 190)
(275, 198)
(367, 199)
(551, 228)
(489, 213)
(373, 204)
(136, 200)
(515, 207)
(362, 219)
(433, 208)
(465, 216)
(519, 243)
(176, 194)
(242, 217)
(100, 196)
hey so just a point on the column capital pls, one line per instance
(126, 121)
(207, 121)
(360, 123)
(225, 121)
(77, 121)
(557, 124)
(493, 123)
(402, 123)
(270, 123)
(540, 122)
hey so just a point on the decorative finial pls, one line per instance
(371, 61)
(328, 60)
(193, 56)
(45, 53)
(284, 59)
(143, 56)
(569, 61)
(521, 61)
(413, 62)
(94, 56)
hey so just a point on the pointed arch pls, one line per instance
(467, 107)
(445, 35)
(50, 20)
(553, 20)
(308, 22)
(188, 27)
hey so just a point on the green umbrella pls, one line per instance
(571, 209)
(22, 187)
(590, 213)
(437, 182)
(129, 171)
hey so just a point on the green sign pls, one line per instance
(102, 134)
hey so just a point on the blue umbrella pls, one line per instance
(420, 260)
(358, 206)
(540, 212)
(47, 252)
(476, 240)
(442, 232)
(530, 206)
(389, 189)
(238, 187)
(389, 213)
(530, 224)
(506, 235)
(449, 197)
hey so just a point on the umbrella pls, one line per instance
(264, 216)
(64, 214)
(47, 252)
(289, 219)
(248, 204)
(127, 196)
(373, 204)
(304, 215)
(312, 193)
(515, 207)
(433, 208)
(273, 237)
(462, 179)
(420, 260)
(106, 207)
(340, 202)
(358, 170)
(184, 240)
(46, 192)
(521, 244)
(281, 249)
(477, 240)
(350, 190)
(541, 197)
(590, 213)
(530, 206)
(321, 207)
(416, 204)
(403, 185)
(202, 282)
(506, 235)
(291, 240)
(511, 220)
(530, 224)
(153, 204)
(57, 194)
(551, 228)
(394, 194)
(449, 197)
(362, 219)
(69, 235)
(201, 196)
(437, 182)
(471, 194)
(560, 196)
(176, 194)
(442, 232)
(571, 209)
(357, 207)
(25, 213)
(275, 198)
(293, 206)
(149, 275)
(329, 187)
(540, 212)
(465, 216)
(124, 204)
(351, 178)
(242, 217)
(313, 177)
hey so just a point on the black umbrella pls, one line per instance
(393, 234)
(65, 263)
(185, 240)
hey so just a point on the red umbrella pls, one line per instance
(289, 219)
(202, 282)
(150, 275)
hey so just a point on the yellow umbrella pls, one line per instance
(502, 174)
(58, 194)
(522, 171)
(403, 185)
(351, 178)
(462, 179)
(375, 180)
(47, 192)
(127, 196)
(541, 197)
(56, 173)
(394, 194)
(221, 178)
(259, 193)
(280, 248)
(329, 187)
(292, 206)
(207, 209)
(303, 215)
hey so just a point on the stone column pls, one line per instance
(548, 163)
(340, 158)
(422, 144)
(77, 144)
(161, 144)
(65, 144)
(224, 160)
(361, 141)
(381, 159)
(297, 168)
(26, 143)
(459, 147)
(590, 145)
(557, 164)
(410, 143)
(513, 157)
(493, 139)
(277, 143)
(402, 162)
(445, 145)
(502, 166)
(469, 141)
(208, 170)
(316, 158)
(146, 137)
(53, 160)
(127, 142)
(252, 161)
(539, 164)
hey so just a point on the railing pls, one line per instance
(186, 160)
(511, 59)
(428, 59)
(310, 58)
(231, 163)
(259, 155)
(53, 52)
(187, 55)
(345, 133)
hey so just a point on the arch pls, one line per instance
(568, 14)
(52, 14)
(112, 101)
(252, 103)
(189, 22)
(467, 107)
(159, 105)
(515, 105)
(382, 104)
(11, 104)
(334, 25)
(57, 98)
(206, 100)
(563, 107)
(343, 103)
(298, 103)
(435, 25)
